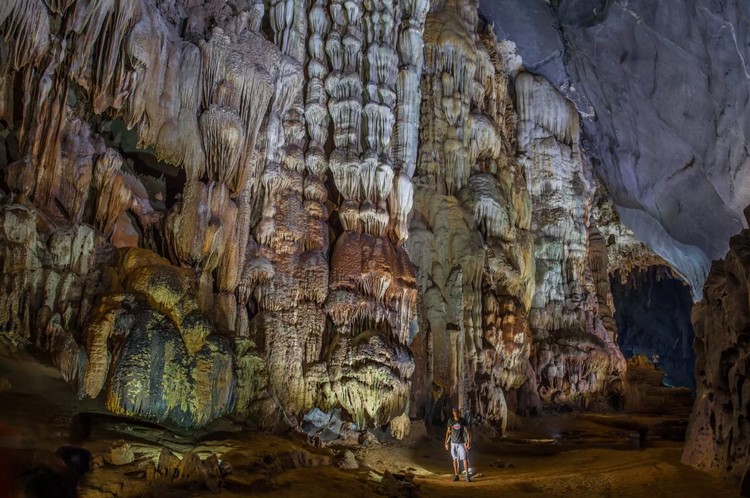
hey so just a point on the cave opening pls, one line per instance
(652, 312)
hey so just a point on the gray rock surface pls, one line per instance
(663, 89)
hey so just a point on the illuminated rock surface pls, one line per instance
(663, 93)
(312, 205)
(301, 209)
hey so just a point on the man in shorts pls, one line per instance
(458, 440)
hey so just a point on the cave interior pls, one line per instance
(282, 247)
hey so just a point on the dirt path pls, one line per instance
(586, 473)
(589, 459)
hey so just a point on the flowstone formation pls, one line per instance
(269, 210)
(662, 90)
(574, 353)
(469, 235)
(156, 353)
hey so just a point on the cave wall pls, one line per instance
(256, 209)
(717, 437)
(652, 311)
(662, 88)
(573, 352)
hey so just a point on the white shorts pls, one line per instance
(458, 451)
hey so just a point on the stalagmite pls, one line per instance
(574, 354)
(264, 209)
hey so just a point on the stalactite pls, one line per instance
(208, 137)
(564, 307)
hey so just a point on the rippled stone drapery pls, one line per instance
(574, 354)
(332, 198)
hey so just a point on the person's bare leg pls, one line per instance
(466, 468)
(455, 466)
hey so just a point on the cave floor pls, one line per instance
(551, 456)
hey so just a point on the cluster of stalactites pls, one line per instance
(574, 351)
(286, 272)
(210, 226)
(374, 50)
(372, 279)
(548, 141)
(540, 103)
(28, 23)
(408, 100)
(361, 90)
(201, 112)
(371, 50)
(460, 84)
(288, 24)
(33, 54)
(117, 192)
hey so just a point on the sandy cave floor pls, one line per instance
(549, 456)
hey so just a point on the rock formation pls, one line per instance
(663, 94)
(717, 438)
(271, 209)
(573, 351)
(469, 236)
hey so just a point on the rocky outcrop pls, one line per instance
(644, 391)
(663, 91)
(273, 209)
(574, 354)
(717, 437)
(150, 348)
(50, 282)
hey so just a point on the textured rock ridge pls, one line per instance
(717, 438)
(272, 209)
(573, 352)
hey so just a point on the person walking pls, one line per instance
(458, 440)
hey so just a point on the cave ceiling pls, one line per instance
(662, 89)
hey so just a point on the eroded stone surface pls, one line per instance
(574, 353)
(272, 209)
(663, 91)
(717, 438)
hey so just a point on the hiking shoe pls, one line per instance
(468, 478)
(455, 477)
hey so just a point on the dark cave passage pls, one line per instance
(652, 311)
